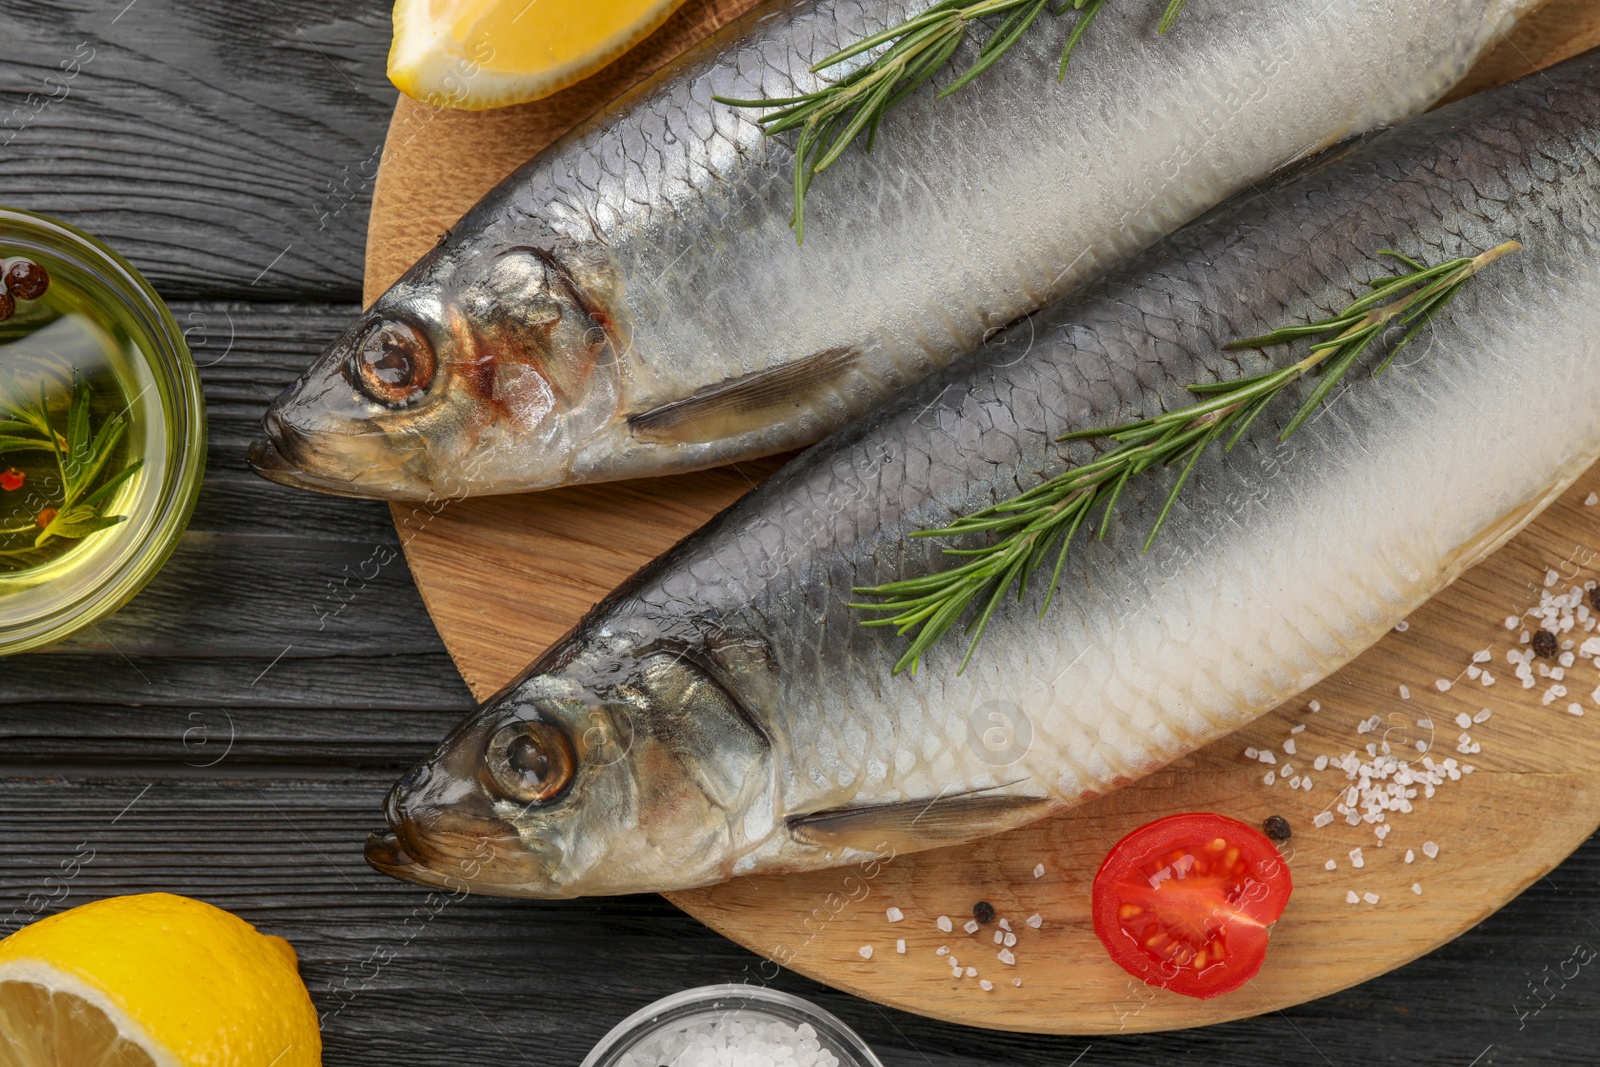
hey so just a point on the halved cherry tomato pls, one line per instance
(1184, 902)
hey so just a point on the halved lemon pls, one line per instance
(152, 981)
(478, 54)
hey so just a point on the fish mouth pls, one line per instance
(446, 847)
(271, 457)
(385, 854)
(496, 863)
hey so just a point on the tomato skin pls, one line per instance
(1202, 889)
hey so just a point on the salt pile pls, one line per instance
(739, 1039)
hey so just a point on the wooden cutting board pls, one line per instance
(504, 577)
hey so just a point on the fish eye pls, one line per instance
(394, 363)
(531, 762)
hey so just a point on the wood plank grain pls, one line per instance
(535, 563)
(225, 154)
(155, 711)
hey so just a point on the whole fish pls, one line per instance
(726, 713)
(633, 302)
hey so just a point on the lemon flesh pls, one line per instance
(45, 1027)
(176, 981)
(478, 54)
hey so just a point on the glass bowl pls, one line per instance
(99, 322)
(726, 1003)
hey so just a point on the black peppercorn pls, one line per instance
(1544, 644)
(7, 305)
(1277, 828)
(1594, 598)
(983, 911)
(27, 280)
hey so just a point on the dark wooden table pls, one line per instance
(230, 734)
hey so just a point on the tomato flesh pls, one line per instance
(1184, 902)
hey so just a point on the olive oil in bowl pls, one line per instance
(101, 431)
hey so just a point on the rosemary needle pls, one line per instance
(832, 117)
(1032, 524)
(80, 457)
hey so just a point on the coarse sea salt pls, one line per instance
(894, 915)
(900, 946)
(970, 926)
(1429, 849)
(736, 1039)
(1035, 920)
(1038, 872)
(866, 952)
(1351, 898)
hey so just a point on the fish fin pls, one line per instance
(1313, 157)
(745, 403)
(1318, 154)
(913, 825)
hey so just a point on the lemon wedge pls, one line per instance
(152, 981)
(478, 54)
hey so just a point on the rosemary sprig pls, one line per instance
(830, 118)
(1031, 524)
(80, 459)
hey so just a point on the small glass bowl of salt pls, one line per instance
(731, 1026)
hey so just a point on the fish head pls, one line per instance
(608, 775)
(477, 372)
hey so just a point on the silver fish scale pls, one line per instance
(971, 211)
(1279, 563)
